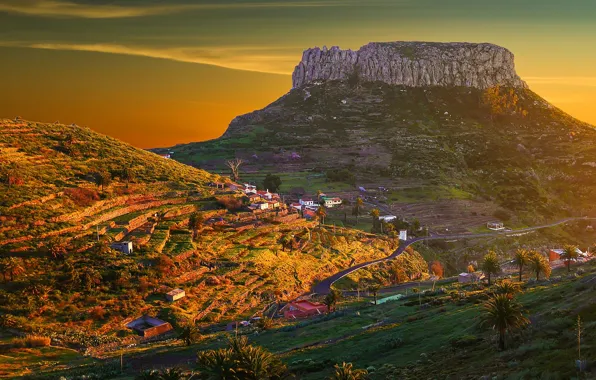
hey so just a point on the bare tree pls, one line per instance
(234, 166)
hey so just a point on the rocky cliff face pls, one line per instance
(413, 64)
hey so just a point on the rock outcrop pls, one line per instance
(413, 64)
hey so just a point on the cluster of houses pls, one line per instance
(262, 199)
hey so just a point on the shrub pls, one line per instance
(31, 341)
(230, 203)
(97, 313)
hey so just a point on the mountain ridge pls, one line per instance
(412, 64)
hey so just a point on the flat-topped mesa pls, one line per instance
(413, 64)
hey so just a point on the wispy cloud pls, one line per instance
(66, 9)
(273, 60)
(563, 81)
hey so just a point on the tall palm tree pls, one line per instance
(539, 264)
(507, 287)
(190, 334)
(569, 253)
(503, 314)
(347, 372)
(321, 214)
(521, 258)
(491, 265)
(375, 213)
(357, 211)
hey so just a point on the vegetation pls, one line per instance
(490, 265)
(539, 264)
(272, 183)
(240, 361)
(503, 314)
(521, 259)
(569, 254)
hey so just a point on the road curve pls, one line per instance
(324, 286)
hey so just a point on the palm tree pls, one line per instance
(520, 258)
(491, 265)
(347, 372)
(171, 374)
(539, 264)
(569, 253)
(503, 314)
(374, 289)
(321, 214)
(240, 361)
(357, 211)
(507, 287)
(375, 213)
(190, 334)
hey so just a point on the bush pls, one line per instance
(31, 341)
(230, 203)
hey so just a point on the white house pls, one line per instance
(260, 206)
(495, 226)
(387, 218)
(250, 189)
(123, 246)
(403, 235)
(330, 202)
(265, 194)
(307, 201)
(175, 295)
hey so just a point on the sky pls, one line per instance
(161, 72)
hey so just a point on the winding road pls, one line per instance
(324, 286)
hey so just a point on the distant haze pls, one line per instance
(157, 73)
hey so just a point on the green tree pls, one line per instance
(13, 267)
(539, 264)
(503, 314)
(331, 299)
(491, 265)
(102, 178)
(91, 278)
(347, 372)
(569, 253)
(521, 258)
(195, 221)
(127, 175)
(357, 210)
(374, 289)
(272, 183)
(190, 334)
(287, 240)
(240, 361)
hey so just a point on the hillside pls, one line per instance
(57, 179)
(446, 146)
(429, 334)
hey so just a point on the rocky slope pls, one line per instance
(413, 64)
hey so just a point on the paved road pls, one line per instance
(324, 286)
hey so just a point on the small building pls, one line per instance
(265, 194)
(331, 201)
(468, 278)
(387, 218)
(555, 254)
(260, 206)
(403, 235)
(250, 189)
(274, 204)
(166, 156)
(495, 226)
(149, 327)
(307, 201)
(303, 309)
(122, 246)
(175, 295)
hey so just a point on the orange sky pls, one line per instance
(157, 73)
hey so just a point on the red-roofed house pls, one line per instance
(303, 309)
